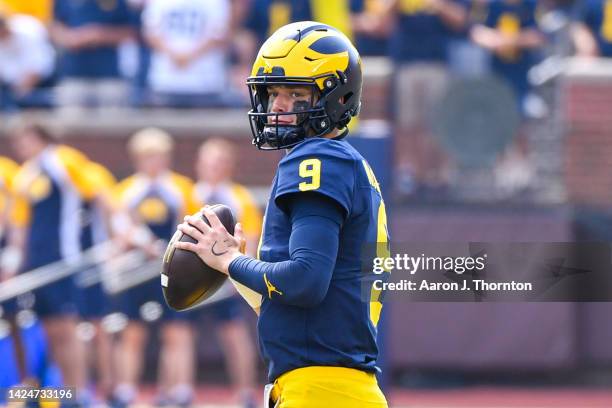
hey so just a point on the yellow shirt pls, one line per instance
(41, 9)
(58, 167)
(235, 196)
(103, 178)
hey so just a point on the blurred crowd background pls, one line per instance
(485, 120)
(487, 68)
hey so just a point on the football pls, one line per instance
(186, 280)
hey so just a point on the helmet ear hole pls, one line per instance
(320, 125)
(330, 83)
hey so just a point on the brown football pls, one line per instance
(186, 280)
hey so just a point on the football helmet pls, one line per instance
(309, 54)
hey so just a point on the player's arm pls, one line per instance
(304, 279)
(315, 189)
(493, 40)
(584, 40)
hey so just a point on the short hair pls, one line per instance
(150, 140)
(218, 143)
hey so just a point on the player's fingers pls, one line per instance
(213, 219)
(238, 232)
(187, 246)
(198, 222)
(239, 235)
(191, 231)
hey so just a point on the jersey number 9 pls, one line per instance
(310, 169)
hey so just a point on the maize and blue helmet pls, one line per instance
(311, 54)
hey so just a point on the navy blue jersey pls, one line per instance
(420, 35)
(340, 330)
(49, 195)
(95, 62)
(510, 18)
(597, 15)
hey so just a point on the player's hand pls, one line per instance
(214, 245)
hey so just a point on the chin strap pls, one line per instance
(344, 133)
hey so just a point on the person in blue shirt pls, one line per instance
(422, 31)
(318, 311)
(509, 31)
(88, 33)
(593, 33)
(424, 28)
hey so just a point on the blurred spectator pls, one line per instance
(418, 46)
(49, 191)
(510, 33)
(27, 64)
(215, 169)
(189, 62)
(40, 9)
(88, 34)
(371, 38)
(593, 33)
(421, 31)
(242, 48)
(150, 204)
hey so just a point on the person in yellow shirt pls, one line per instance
(215, 170)
(50, 189)
(150, 204)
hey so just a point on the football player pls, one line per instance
(317, 324)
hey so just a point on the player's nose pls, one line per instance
(281, 104)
